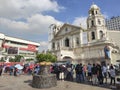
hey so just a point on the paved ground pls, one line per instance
(23, 83)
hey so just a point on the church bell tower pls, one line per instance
(96, 25)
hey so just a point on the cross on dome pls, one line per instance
(94, 6)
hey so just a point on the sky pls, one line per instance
(30, 19)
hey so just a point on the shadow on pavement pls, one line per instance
(107, 86)
(29, 82)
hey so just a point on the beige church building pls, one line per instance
(92, 45)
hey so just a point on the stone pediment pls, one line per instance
(67, 28)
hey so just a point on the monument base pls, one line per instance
(44, 81)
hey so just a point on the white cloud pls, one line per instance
(43, 43)
(43, 46)
(26, 16)
(38, 23)
(26, 19)
(23, 8)
(105, 15)
(80, 21)
(41, 23)
(13, 25)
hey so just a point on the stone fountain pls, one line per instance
(44, 79)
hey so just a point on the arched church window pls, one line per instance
(77, 41)
(96, 12)
(58, 45)
(66, 29)
(67, 42)
(93, 35)
(88, 25)
(92, 12)
(53, 45)
(101, 34)
(99, 22)
(92, 23)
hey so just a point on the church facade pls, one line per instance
(95, 44)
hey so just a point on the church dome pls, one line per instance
(94, 7)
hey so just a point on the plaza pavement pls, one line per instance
(23, 83)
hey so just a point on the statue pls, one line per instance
(107, 52)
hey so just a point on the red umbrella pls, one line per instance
(31, 66)
(8, 64)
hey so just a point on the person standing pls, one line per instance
(84, 72)
(108, 70)
(61, 75)
(0, 70)
(89, 68)
(99, 74)
(104, 71)
(15, 71)
(94, 75)
(69, 75)
(77, 73)
(112, 75)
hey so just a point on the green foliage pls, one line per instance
(46, 57)
(2, 60)
(16, 59)
(11, 60)
(30, 59)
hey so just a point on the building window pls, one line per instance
(12, 50)
(53, 45)
(58, 45)
(92, 23)
(77, 41)
(99, 22)
(92, 12)
(67, 42)
(101, 34)
(93, 35)
(96, 12)
(66, 29)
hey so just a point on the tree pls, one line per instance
(29, 59)
(11, 60)
(16, 59)
(2, 59)
(48, 57)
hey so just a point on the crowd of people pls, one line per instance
(96, 74)
(13, 70)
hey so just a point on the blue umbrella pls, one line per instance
(11, 67)
(18, 66)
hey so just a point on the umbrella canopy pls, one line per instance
(11, 67)
(31, 66)
(18, 66)
(8, 65)
(45, 63)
